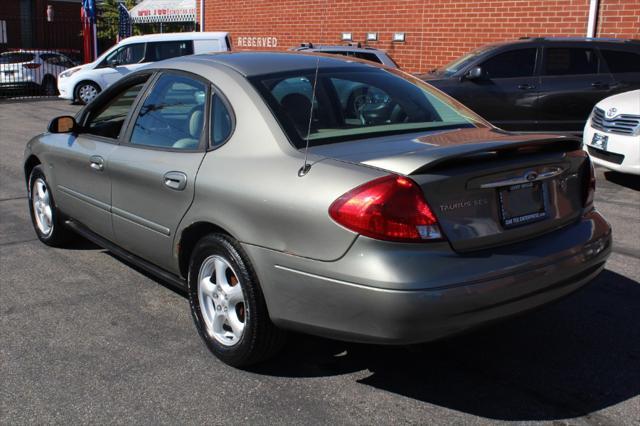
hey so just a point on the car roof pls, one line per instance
(551, 40)
(175, 36)
(251, 64)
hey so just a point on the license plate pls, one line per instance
(600, 141)
(522, 204)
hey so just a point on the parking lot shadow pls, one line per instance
(623, 179)
(565, 360)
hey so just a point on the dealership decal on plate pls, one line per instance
(599, 141)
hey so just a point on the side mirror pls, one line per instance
(474, 73)
(63, 124)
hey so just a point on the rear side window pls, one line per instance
(620, 61)
(168, 49)
(221, 123)
(571, 61)
(367, 56)
(16, 58)
(515, 63)
(172, 116)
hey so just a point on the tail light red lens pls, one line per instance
(32, 66)
(389, 208)
(590, 185)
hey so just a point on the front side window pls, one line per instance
(460, 63)
(172, 116)
(351, 104)
(131, 54)
(107, 119)
(620, 61)
(570, 61)
(158, 51)
(515, 63)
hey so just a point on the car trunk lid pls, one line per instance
(486, 187)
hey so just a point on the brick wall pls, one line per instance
(436, 31)
(619, 18)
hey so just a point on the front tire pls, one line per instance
(46, 220)
(86, 91)
(227, 304)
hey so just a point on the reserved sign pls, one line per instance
(257, 42)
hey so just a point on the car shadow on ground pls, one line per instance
(569, 359)
(623, 179)
(565, 360)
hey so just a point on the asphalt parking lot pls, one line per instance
(87, 338)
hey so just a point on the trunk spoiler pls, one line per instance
(442, 157)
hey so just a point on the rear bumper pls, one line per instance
(402, 293)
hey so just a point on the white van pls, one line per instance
(84, 82)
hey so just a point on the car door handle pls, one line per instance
(599, 85)
(97, 163)
(175, 180)
(526, 86)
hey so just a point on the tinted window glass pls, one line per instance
(220, 121)
(15, 57)
(107, 120)
(355, 104)
(621, 61)
(66, 62)
(570, 61)
(515, 63)
(172, 116)
(168, 49)
(131, 54)
(461, 62)
(368, 56)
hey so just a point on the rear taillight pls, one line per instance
(589, 185)
(31, 66)
(389, 208)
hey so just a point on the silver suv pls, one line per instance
(367, 53)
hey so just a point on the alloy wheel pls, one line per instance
(41, 201)
(221, 300)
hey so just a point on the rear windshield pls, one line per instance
(15, 57)
(351, 104)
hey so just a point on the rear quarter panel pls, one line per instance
(250, 185)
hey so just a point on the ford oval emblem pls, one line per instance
(611, 112)
(531, 176)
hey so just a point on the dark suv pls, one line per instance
(540, 84)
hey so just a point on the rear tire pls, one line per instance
(227, 304)
(85, 92)
(46, 220)
(48, 86)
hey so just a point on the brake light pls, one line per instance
(32, 66)
(389, 208)
(590, 185)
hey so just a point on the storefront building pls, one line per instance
(434, 31)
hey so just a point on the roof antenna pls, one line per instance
(306, 166)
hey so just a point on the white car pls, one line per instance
(32, 70)
(612, 133)
(84, 82)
